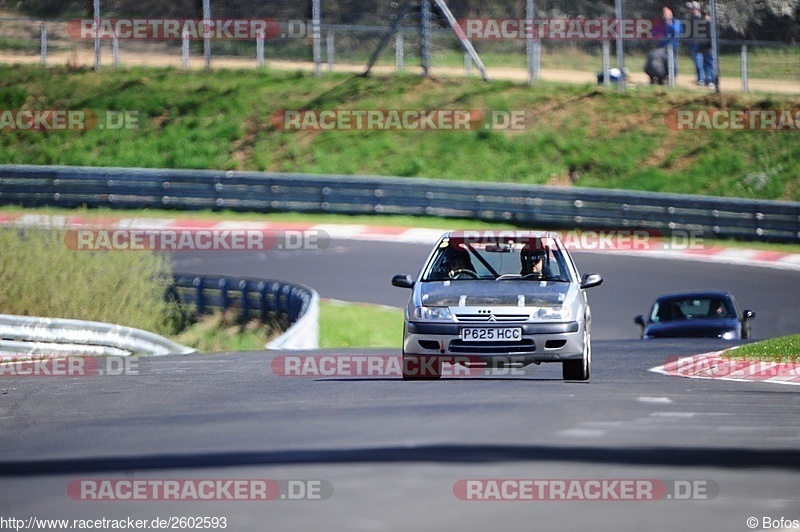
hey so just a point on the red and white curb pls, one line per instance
(717, 366)
(406, 235)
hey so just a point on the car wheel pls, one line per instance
(578, 370)
(417, 368)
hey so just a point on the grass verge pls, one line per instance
(783, 349)
(573, 135)
(349, 325)
(41, 276)
(344, 325)
(226, 332)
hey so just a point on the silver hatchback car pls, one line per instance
(497, 299)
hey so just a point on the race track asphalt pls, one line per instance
(393, 454)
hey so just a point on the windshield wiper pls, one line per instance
(529, 277)
(537, 277)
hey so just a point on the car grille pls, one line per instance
(499, 318)
(521, 347)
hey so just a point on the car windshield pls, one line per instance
(676, 309)
(537, 259)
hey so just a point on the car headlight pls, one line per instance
(432, 313)
(554, 313)
(728, 335)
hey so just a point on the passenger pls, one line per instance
(532, 261)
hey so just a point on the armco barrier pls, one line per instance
(291, 305)
(527, 205)
(31, 336)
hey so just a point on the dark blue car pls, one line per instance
(706, 314)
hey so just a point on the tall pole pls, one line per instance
(96, 34)
(425, 33)
(715, 44)
(529, 43)
(43, 33)
(207, 33)
(620, 48)
(316, 35)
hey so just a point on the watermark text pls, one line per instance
(583, 490)
(194, 240)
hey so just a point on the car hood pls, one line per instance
(493, 293)
(696, 328)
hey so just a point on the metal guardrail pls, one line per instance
(32, 336)
(295, 307)
(526, 205)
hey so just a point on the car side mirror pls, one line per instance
(748, 314)
(639, 320)
(402, 281)
(591, 279)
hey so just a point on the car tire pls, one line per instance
(578, 370)
(412, 365)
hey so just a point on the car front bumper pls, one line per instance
(540, 342)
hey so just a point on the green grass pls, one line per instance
(349, 325)
(41, 276)
(581, 135)
(226, 332)
(20, 45)
(342, 325)
(783, 349)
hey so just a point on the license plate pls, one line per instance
(491, 334)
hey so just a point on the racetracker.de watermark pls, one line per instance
(724, 367)
(195, 240)
(377, 366)
(166, 29)
(67, 120)
(615, 240)
(402, 120)
(576, 29)
(584, 490)
(73, 366)
(733, 120)
(207, 489)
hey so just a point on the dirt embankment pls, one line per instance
(86, 58)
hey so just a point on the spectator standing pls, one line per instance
(672, 33)
(698, 24)
(707, 50)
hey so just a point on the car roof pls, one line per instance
(700, 294)
(496, 233)
(496, 236)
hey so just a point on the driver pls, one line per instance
(716, 309)
(532, 261)
(456, 261)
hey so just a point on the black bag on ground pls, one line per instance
(656, 66)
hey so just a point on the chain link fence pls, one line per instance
(344, 35)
